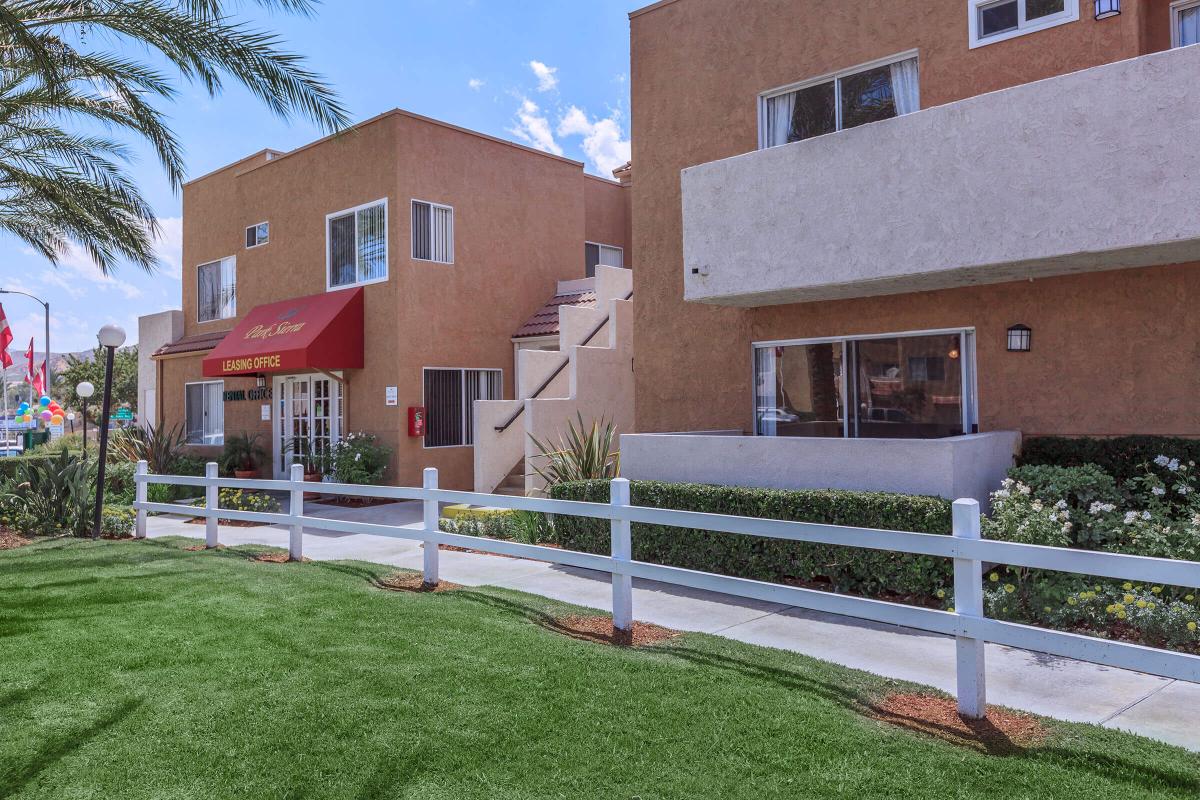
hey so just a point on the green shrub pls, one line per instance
(1121, 457)
(49, 496)
(848, 569)
(359, 458)
(119, 487)
(117, 521)
(527, 527)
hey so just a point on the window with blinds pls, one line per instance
(432, 232)
(605, 255)
(216, 290)
(449, 398)
(204, 412)
(358, 245)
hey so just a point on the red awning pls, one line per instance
(321, 331)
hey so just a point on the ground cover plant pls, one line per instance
(141, 670)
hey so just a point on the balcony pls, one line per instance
(1095, 170)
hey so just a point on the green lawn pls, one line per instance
(141, 670)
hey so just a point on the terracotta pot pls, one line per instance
(245, 473)
(312, 477)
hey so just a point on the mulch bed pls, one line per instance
(408, 582)
(276, 558)
(453, 548)
(600, 629)
(1000, 733)
(233, 523)
(10, 540)
(356, 502)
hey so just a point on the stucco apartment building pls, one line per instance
(371, 279)
(879, 242)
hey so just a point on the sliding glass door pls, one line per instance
(904, 386)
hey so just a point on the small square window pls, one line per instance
(259, 234)
(432, 232)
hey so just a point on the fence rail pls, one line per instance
(968, 551)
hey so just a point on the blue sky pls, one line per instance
(550, 73)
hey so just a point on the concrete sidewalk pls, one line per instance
(1160, 708)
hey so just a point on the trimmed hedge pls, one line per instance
(848, 569)
(1121, 457)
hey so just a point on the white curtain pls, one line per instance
(208, 291)
(906, 86)
(765, 390)
(214, 413)
(1189, 27)
(779, 118)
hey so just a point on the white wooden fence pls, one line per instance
(966, 622)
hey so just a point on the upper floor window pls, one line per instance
(604, 255)
(867, 93)
(357, 239)
(216, 290)
(1185, 23)
(432, 232)
(258, 234)
(991, 21)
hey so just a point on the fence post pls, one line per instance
(622, 550)
(431, 526)
(210, 505)
(296, 509)
(968, 602)
(140, 496)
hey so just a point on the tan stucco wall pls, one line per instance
(1111, 351)
(607, 206)
(519, 221)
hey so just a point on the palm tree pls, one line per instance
(66, 65)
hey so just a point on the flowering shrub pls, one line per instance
(359, 458)
(241, 500)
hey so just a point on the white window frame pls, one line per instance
(329, 287)
(835, 77)
(233, 303)
(1070, 13)
(1177, 9)
(413, 234)
(462, 378)
(221, 388)
(602, 247)
(970, 369)
(255, 228)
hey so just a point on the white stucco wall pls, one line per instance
(955, 467)
(154, 330)
(1089, 171)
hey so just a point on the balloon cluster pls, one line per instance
(46, 410)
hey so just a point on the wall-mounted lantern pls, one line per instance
(1019, 338)
(260, 380)
(1107, 8)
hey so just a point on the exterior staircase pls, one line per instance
(591, 375)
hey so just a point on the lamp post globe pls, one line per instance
(110, 337)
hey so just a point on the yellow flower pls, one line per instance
(1149, 605)
(1190, 597)
(993, 577)
(1191, 626)
(1121, 614)
(1127, 586)
(941, 593)
(1071, 601)
(1128, 598)
(1141, 604)
(1096, 587)
(1009, 588)
(1156, 590)
(1046, 609)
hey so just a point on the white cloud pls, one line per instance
(169, 246)
(476, 83)
(547, 80)
(533, 128)
(603, 141)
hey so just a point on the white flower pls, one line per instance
(1158, 490)
(1173, 465)
(1130, 516)
(1007, 483)
(1162, 461)
(1061, 504)
(358, 456)
(1146, 515)
(1001, 494)
(1097, 508)
(1037, 505)
(1023, 489)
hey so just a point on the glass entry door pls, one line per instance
(905, 386)
(307, 420)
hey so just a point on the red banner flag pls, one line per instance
(29, 362)
(39, 381)
(6, 337)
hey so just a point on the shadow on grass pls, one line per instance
(17, 776)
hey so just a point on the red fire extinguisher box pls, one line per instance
(416, 420)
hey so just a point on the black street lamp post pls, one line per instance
(111, 337)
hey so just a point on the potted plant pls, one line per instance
(300, 450)
(242, 455)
